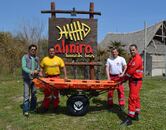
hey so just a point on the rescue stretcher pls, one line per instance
(78, 91)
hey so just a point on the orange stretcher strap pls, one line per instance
(74, 84)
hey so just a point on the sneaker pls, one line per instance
(26, 114)
(127, 122)
(136, 117)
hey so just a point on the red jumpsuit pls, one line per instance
(120, 91)
(135, 74)
(51, 94)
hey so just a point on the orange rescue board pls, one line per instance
(74, 84)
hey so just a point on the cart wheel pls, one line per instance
(77, 105)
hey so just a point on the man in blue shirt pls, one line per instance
(30, 68)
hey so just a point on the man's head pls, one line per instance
(133, 49)
(114, 52)
(51, 52)
(32, 50)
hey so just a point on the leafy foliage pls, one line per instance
(12, 49)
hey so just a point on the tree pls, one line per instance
(120, 47)
(12, 47)
(10, 51)
(30, 33)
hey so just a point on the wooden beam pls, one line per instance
(70, 11)
(83, 63)
(53, 12)
(160, 36)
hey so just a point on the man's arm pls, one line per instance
(124, 70)
(62, 66)
(64, 71)
(132, 69)
(108, 72)
(38, 64)
(24, 66)
(41, 72)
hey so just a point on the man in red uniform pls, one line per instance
(134, 74)
(51, 67)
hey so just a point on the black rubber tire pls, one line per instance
(77, 105)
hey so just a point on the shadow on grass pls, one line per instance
(51, 110)
(97, 105)
(101, 105)
(117, 110)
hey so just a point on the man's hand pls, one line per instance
(32, 72)
(65, 78)
(121, 75)
(35, 72)
(108, 78)
(40, 74)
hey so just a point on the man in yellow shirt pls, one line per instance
(50, 67)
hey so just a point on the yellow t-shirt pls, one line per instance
(52, 66)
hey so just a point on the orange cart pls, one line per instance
(78, 91)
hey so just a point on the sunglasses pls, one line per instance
(33, 49)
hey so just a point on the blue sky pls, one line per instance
(117, 15)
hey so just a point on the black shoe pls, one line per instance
(136, 117)
(127, 122)
(122, 107)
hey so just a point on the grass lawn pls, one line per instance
(153, 114)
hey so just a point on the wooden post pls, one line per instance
(91, 10)
(53, 9)
(91, 16)
(92, 71)
(74, 69)
(92, 67)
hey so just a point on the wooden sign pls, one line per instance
(73, 37)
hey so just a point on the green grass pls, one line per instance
(153, 114)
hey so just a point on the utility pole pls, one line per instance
(164, 41)
(165, 59)
(145, 44)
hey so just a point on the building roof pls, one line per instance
(137, 38)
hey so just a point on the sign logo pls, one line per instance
(74, 31)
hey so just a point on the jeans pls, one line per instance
(29, 98)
